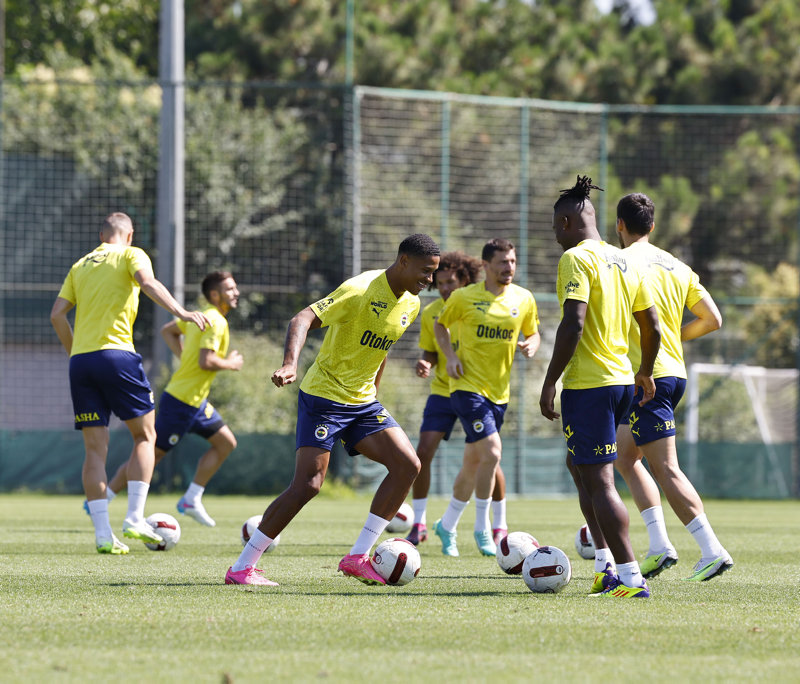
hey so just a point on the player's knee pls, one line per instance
(306, 489)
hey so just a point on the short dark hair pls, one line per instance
(212, 282)
(466, 267)
(578, 194)
(637, 210)
(496, 245)
(419, 245)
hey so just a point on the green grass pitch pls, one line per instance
(69, 614)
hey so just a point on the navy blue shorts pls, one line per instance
(175, 418)
(320, 422)
(438, 415)
(105, 382)
(479, 417)
(590, 418)
(656, 419)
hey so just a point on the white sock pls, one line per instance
(656, 530)
(482, 514)
(193, 494)
(701, 530)
(137, 497)
(98, 510)
(110, 494)
(420, 507)
(630, 575)
(453, 514)
(601, 558)
(369, 535)
(499, 515)
(252, 551)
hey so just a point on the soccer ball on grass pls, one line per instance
(250, 526)
(547, 570)
(584, 544)
(513, 549)
(169, 529)
(397, 561)
(403, 520)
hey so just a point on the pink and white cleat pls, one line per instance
(498, 534)
(360, 568)
(249, 575)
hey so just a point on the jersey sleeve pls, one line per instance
(427, 340)
(696, 291)
(644, 296)
(67, 290)
(451, 312)
(211, 337)
(573, 279)
(530, 324)
(339, 306)
(138, 261)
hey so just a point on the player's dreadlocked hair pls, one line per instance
(467, 268)
(578, 193)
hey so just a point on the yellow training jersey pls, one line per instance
(106, 297)
(427, 341)
(364, 319)
(674, 286)
(488, 329)
(613, 287)
(190, 383)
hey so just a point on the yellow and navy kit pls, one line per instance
(674, 286)
(488, 328)
(440, 385)
(613, 286)
(364, 320)
(105, 293)
(190, 383)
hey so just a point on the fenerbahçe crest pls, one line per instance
(321, 432)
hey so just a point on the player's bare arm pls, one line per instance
(379, 374)
(708, 320)
(442, 334)
(158, 292)
(58, 318)
(208, 359)
(530, 345)
(296, 335)
(568, 335)
(172, 336)
(650, 342)
(425, 364)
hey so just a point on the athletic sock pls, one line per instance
(656, 530)
(601, 558)
(420, 507)
(630, 574)
(252, 551)
(369, 535)
(453, 514)
(98, 510)
(193, 494)
(110, 494)
(499, 515)
(482, 514)
(137, 497)
(704, 535)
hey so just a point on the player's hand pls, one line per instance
(648, 386)
(236, 360)
(527, 347)
(454, 368)
(285, 375)
(423, 368)
(547, 401)
(196, 317)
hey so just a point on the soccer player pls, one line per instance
(487, 319)
(184, 406)
(649, 431)
(105, 372)
(599, 289)
(456, 269)
(365, 316)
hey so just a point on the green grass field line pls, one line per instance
(69, 614)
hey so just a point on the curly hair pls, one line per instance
(467, 268)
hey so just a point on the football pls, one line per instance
(547, 570)
(512, 551)
(402, 521)
(168, 528)
(397, 561)
(250, 526)
(584, 544)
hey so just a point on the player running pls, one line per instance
(487, 319)
(599, 289)
(184, 406)
(105, 372)
(649, 430)
(365, 316)
(456, 269)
